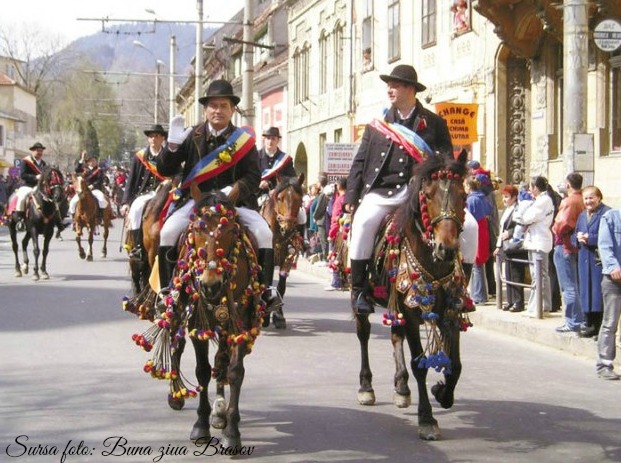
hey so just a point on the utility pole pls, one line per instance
(248, 71)
(198, 71)
(575, 73)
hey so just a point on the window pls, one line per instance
(338, 55)
(323, 62)
(394, 31)
(428, 29)
(235, 66)
(460, 11)
(301, 69)
(338, 135)
(322, 145)
(1, 135)
(259, 53)
(367, 36)
(615, 95)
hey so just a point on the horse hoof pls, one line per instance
(89, 259)
(366, 397)
(266, 320)
(25, 269)
(231, 442)
(45, 275)
(218, 422)
(280, 323)
(218, 413)
(104, 255)
(35, 277)
(82, 255)
(18, 273)
(429, 431)
(439, 392)
(401, 401)
(176, 404)
(200, 433)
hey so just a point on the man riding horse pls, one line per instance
(141, 185)
(30, 171)
(276, 164)
(216, 155)
(381, 170)
(94, 175)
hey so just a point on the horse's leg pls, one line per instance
(46, 249)
(401, 397)
(25, 251)
(366, 394)
(36, 251)
(174, 403)
(221, 362)
(104, 249)
(200, 430)
(428, 428)
(444, 391)
(282, 284)
(91, 232)
(280, 323)
(15, 246)
(235, 376)
(78, 239)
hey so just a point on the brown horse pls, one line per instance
(281, 213)
(86, 215)
(215, 296)
(42, 215)
(419, 278)
(141, 266)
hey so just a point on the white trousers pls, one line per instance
(134, 215)
(22, 193)
(99, 196)
(180, 219)
(368, 217)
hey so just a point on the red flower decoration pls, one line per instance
(422, 125)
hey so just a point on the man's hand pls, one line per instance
(124, 210)
(176, 133)
(264, 185)
(349, 208)
(616, 274)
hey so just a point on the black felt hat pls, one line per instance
(156, 128)
(406, 74)
(219, 89)
(37, 146)
(272, 132)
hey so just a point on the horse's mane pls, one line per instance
(286, 182)
(410, 209)
(212, 198)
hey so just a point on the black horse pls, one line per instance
(43, 207)
(419, 278)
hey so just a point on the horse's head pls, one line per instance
(213, 244)
(437, 202)
(79, 185)
(56, 183)
(287, 202)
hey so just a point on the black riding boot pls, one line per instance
(138, 249)
(20, 220)
(359, 282)
(166, 265)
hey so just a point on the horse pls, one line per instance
(339, 256)
(42, 216)
(141, 266)
(215, 296)
(281, 213)
(86, 215)
(418, 277)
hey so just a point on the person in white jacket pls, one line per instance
(538, 239)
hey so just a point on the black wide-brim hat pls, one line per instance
(219, 89)
(406, 74)
(156, 128)
(272, 132)
(37, 146)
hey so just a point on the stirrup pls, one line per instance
(137, 253)
(273, 301)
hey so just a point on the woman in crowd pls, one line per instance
(589, 263)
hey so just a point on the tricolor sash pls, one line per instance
(33, 165)
(412, 143)
(149, 164)
(237, 145)
(280, 162)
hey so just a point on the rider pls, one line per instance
(381, 170)
(275, 164)
(30, 171)
(94, 175)
(141, 184)
(236, 173)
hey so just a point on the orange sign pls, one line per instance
(461, 119)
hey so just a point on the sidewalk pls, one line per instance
(488, 317)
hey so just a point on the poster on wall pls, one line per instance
(461, 119)
(337, 159)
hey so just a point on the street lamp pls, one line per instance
(158, 63)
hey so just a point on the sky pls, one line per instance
(60, 17)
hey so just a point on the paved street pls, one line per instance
(70, 372)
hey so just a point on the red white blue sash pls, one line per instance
(412, 143)
(280, 162)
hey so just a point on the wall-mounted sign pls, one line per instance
(607, 35)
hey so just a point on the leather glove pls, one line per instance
(176, 133)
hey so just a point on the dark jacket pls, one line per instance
(140, 180)
(267, 162)
(94, 177)
(28, 170)
(370, 171)
(200, 143)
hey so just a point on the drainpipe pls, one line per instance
(575, 67)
